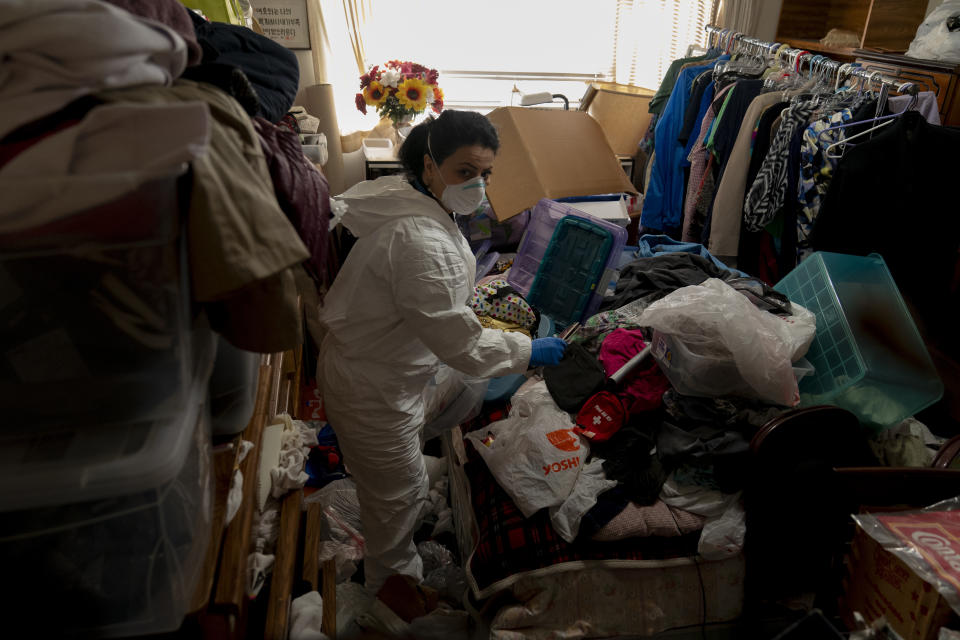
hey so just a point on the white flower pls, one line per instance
(390, 78)
(429, 94)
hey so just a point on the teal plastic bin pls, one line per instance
(868, 356)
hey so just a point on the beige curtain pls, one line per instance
(357, 12)
(740, 15)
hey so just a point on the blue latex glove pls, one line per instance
(547, 352)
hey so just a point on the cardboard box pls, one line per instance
(878, 583)
(550, 153)
(622, 112)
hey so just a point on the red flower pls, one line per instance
(361, 103)
(432, 76)
(406, 68)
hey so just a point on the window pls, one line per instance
(491, 53)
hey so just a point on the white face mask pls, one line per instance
(464, 198)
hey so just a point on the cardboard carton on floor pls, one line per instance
(880, 583)
(549, 153)
(622, 112)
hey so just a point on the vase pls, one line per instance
(402, 128)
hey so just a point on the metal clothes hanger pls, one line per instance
(837, 149)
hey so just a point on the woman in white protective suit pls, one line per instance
(397, 309)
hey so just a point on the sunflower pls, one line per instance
(412, 94)
(374, 94)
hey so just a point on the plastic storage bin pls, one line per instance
(588, 274)
(94, 313)
(868, 356)
(378, 149)
(233, 388)
(109, 523)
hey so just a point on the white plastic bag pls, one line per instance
(341, 537)
(716, 324)
(934, 39)
(722, 537)
(534, 453)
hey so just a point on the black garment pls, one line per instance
(578, 376)
(271, 68)
(729, 126)
(629, 458)
(653, 278)
(711, 433)
(905, 175)
(761, 144)
(693, 107)
(791, 207)
(725, 136)
(229, 79)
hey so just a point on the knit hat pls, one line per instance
(601, 417)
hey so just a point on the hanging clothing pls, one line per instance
(700, 168)
(302, 192)
(397, 309)
(659, 100)
(727, 210)
(663, 198)
(816, 172)
(914, 162)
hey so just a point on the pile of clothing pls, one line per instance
(128, 93)
(585, 456)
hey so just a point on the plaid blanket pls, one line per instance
(509, 544)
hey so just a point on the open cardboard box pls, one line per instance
(550, 153)
(622, 112)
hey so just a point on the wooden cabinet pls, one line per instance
(942, 78)
(887, 25)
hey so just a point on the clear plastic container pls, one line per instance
(110, 522)
(233, 388)
(705, 375)
(868, 356)
(94, 314)
(545, 217)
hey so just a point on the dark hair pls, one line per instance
(447, 133)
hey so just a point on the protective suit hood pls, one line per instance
(375, 203)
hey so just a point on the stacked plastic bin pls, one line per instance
(868, 356)
(105, 482)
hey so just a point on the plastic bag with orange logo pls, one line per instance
(534, 453)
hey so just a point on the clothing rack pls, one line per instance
(736, 42)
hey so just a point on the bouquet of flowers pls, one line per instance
(400, 90)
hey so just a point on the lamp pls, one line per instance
(544, 97)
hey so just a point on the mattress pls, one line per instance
(640, 586)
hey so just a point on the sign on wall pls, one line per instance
(284, 21)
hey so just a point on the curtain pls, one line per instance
(357, 13)
(650, 34)
(739, 15)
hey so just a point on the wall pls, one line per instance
(768, 19)
(307, 75)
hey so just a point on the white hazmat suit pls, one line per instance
(397, 309)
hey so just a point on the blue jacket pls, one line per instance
(663, 200)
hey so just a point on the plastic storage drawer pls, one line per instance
(868, 356)
(534, 246)
(109, 523)
(94, 311)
